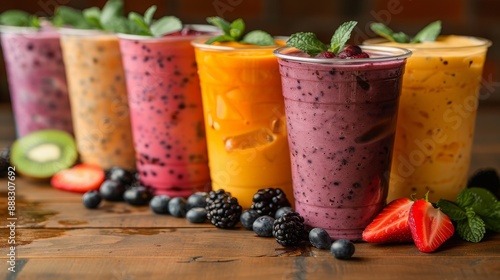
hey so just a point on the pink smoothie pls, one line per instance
(37, 80)
(341, 121)
(166, 113)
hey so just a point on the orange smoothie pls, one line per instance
(244, 119)
(98, 98)
(437, 113)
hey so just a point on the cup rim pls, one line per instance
(83, 32)
(200, 43)
(197, 27)
(482, 42)
(19, 29)
(391, 54)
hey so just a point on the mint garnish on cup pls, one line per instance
(19, 18)
(427, 34)
(308, 42)
(145, 25)
(109, 18)
(235, 32)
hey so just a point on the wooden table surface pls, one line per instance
(57, 238)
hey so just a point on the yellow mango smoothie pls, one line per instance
(244, 119)
(436, 119)
(98, 97)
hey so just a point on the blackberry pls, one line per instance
(289, 229)
(4, 161)
(223, 211)
(268, 201)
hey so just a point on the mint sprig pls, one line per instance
(109, 18)
(475, 211)
(427, 34)
(19, 18)
(145, 25)
(235, 32)
(310, 44)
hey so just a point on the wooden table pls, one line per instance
(57, 238)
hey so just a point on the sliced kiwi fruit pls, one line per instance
(43, 153)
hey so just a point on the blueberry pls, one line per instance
(283, 210)
(263, 226)
(248, 217)
(120, 174)
(91, 199)
(159, 204)
(177, 207)
(320, 239)
(342, 249)
(111, 190)
(196, 215)
(197, 199)
(137, 195)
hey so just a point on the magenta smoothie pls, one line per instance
(341, 116)
(166, 113)
(37, 79)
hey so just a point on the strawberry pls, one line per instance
(80, 178)
(429, 226)
(390, 225)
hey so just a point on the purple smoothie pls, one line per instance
(37, 79)
(341, 121)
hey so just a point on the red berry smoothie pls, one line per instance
(341, 116)
(37, 79)
(166, 111)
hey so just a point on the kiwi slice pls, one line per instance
(43, 153)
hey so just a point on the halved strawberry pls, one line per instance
(429, 226)
(390, 225)
(80, 178)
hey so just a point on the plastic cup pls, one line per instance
(437, 114)
(244, 119)
(341, 116)
(37, 79)
(98, 98)
(166, 111)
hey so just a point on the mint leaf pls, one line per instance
(148, 15)
(220, 23)
(112, 10)
(481, 200)
(465, 198)
(119, 25)
(306, 42)
(258, 37)
(15, 18)
(237, 29)
(139, 21)
(67, 16)
(383, 31)
(451, 210)
(165, 25)
(341, 35)
(471, 229)
(401, 37)
(428, 33)
(492, 218)
(219, 38)
(93, 16)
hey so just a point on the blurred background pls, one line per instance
(279, 17)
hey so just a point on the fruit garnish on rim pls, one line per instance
(235, 32)
(429, 226)
(309, 43)
(427, 34)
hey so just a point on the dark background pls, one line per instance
(284, 17)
